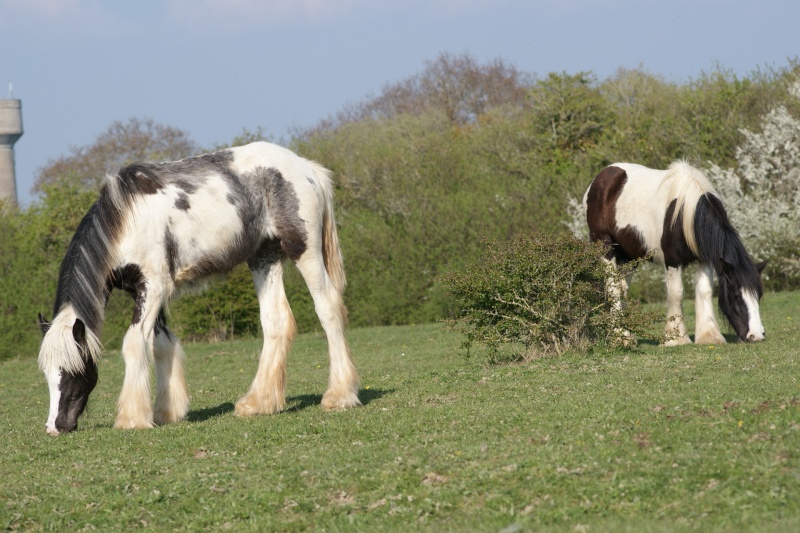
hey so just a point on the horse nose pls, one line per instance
(755, 337)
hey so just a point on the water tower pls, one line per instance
(10, 132)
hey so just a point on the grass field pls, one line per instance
(690, 438)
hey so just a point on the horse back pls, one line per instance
(619, 211)
(205, 215)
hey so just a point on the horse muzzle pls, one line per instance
(755, 337)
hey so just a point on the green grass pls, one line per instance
(689, 438)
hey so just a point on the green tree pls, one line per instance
(133, 141)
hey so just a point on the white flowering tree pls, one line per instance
(762, 194)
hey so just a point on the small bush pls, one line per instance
(546, 293)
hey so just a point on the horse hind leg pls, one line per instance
(267, 394)
(675, 330)
(343, 382)
(172, 394)
(617, 290)
(706, 329)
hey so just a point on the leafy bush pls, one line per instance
(545, 292)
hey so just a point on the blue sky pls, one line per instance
(216, 67)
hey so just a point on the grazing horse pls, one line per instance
(160, 228)
(675, 217)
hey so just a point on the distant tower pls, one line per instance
(10, 132)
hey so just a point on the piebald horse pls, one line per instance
(160, 228)
(676, 217)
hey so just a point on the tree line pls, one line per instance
(426, 172)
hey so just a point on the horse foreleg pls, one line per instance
(706, 329)
(343, 379)
(134, 410)
(675, 331)
(172, 395)
(267, 393)
(133, 406)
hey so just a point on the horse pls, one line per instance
(674, 217)
(159, 229)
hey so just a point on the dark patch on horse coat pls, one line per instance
(139, 178)
(130, 279)
(284, 209)
(182, 202)
(266, 256)
(170, 251)
(161, 323)
(673, 242)
(625, 244)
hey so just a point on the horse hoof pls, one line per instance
(678, 342)
(333, 401)
(133, 424)
(248, 407)
(709, 337)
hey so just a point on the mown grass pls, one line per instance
(690, 438)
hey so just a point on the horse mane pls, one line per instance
(59, 349)
(687, 185)
(83, 285)
(718, 240)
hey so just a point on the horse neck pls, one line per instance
(84, 273)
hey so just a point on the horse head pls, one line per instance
(69, 389)
(740, 291)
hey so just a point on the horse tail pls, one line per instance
(687, 185)
(331, 251)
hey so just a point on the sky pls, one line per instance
(214, 68)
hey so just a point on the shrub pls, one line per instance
(546, 293)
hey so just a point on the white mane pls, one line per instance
(59, 349)
(686, 185)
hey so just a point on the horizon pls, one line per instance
(215, 69)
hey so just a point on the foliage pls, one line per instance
(461, 152)
(762, 193)
(456, 86)
(545, 292)
(134, 141)
(693, 438)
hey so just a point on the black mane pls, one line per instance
(84, 271)
(719, 242)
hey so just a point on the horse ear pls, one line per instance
(44, 325)
(761, 266)
(79, 332)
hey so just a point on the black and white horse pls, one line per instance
(676, 216)
(159, 228)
